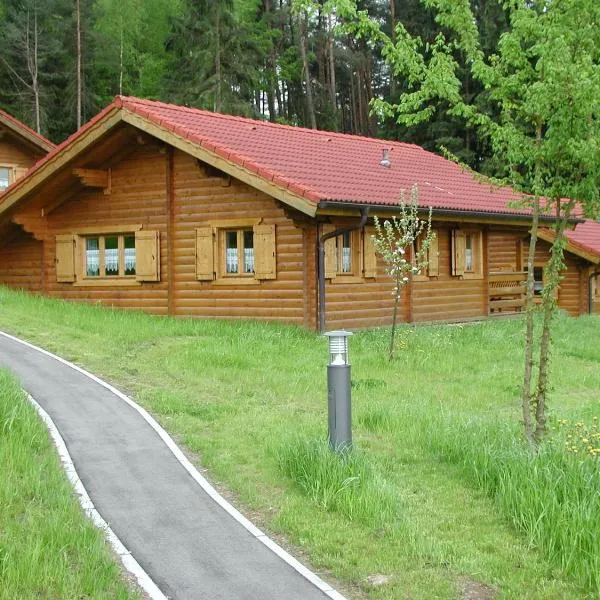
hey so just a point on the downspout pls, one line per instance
(590, 292)
(364, 212)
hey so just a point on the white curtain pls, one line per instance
(92, 257)
(232, 260)
(248, 260)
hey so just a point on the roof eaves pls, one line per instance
(457, 212)
(574, 247)
(25, 132)
(103, 121)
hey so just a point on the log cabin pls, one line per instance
(180, 211)
(20, 149)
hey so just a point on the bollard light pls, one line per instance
(338, 391)
(338, 347)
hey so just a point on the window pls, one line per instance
(538, 280)
(5, 177)
(467, 254)
(349, 257)
(238, 245)
(109, 256)
(105, 258)
(235, 252)
(469, 260)
(344, 254)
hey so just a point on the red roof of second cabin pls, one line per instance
(322, 165)
(25, 131)
(586, 235)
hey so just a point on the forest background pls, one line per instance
(287, 61)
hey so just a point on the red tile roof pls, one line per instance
(25, 131)
(321, 165)
(587, 236)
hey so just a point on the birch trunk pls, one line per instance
(302, 34)
(79, 76)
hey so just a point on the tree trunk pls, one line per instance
(526, 394)
(218, 58)
(394, 320)
(34, 72)
(121, 43)
(78, 58)
(553, 269)
(302, 34)
(393, 38)
(332, 82)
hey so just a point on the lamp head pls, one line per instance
(338, 347)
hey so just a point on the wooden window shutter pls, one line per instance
(369, 254)
(147, 255)
(458, 252)
(205, 258)
(330, 254)
(65, 258)
(433, 257)
(265, 260)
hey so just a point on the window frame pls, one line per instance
(102, 256)
(538, 296)
(476, 272)
(241, 258)
(362, 252)
(103, 232)
(221, 277)
(355, 255)
(11, 176)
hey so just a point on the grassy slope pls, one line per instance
(48, 549)
(241, 394)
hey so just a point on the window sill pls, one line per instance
(235, 281)
(342, 279)
(107, 283)
(471, 276)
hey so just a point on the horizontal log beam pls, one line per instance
(94, 178)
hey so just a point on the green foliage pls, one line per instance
(550, 496)
(236, 409)
(130, 53)
(341, 482)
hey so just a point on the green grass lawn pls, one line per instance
(439, 496)
(48, 549)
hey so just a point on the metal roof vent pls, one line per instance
(385, 161)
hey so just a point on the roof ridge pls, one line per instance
(318, 132)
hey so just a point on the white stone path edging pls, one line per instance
(127, 559)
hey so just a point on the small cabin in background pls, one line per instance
(180, 211)
(20, 149)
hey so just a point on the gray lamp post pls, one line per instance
(338, 391)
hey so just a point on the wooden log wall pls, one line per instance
(20, 262)
(167, 190)
(15, 154)
(446, 297)
(137, 197)
(570, 293)
(203, 196)
(505, 248)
